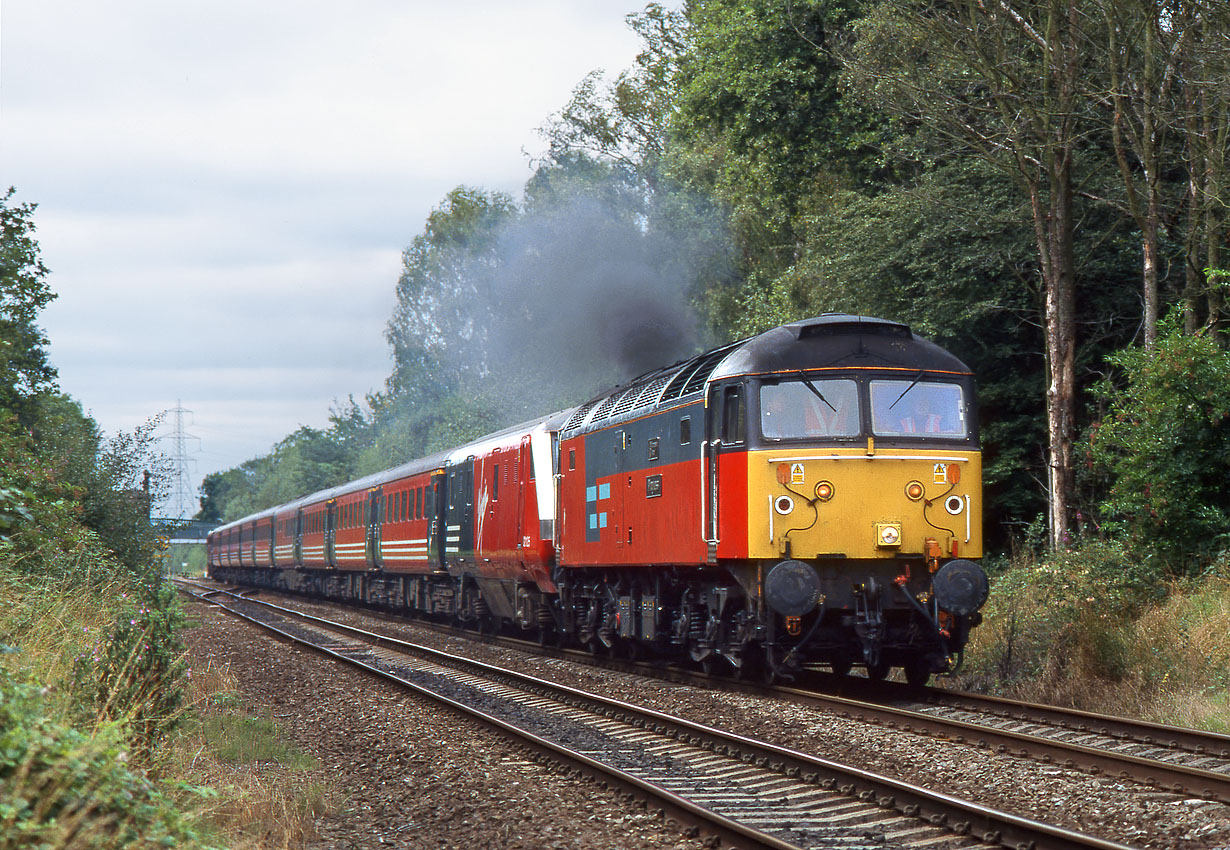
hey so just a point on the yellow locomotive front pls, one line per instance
(863, 499)
(820, 487)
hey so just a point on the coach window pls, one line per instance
(418, 502)
(733, 424)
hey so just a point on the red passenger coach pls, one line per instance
(811, 495)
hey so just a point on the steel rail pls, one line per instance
(1177, 778)
(960, 816)
(1143, 731)
(671, 804)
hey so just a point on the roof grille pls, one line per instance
(652, 390)
(604, 410)
(691, 378)
(578, 416)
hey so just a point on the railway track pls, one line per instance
(747, 793)
(1186, 762)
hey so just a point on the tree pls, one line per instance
(626, 124)
(1165, 444)
(1156, 55)
(434, 321)
(760, 121)
(1206, 121)
(24, 369)
(1002, 80)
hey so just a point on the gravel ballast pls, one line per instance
(1117, 810)
(411, 774)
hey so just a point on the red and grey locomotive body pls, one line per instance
(807, 496)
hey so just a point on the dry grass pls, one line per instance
(1062, 644)
(245, 787)
(50, 622)
(270, 794)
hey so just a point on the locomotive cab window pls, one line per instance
(917, 409)
(795, 410)
(733, 416)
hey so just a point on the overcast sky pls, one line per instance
(225, 187)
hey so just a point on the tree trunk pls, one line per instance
(1060, 349)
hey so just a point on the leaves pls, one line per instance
(1165, 443)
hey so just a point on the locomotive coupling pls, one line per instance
(960, 587)
(792, 588)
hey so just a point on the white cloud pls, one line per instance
(225, 187)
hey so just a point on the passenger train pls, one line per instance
(806, 498)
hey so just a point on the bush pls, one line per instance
(60, 788)
(1165, 446)
(1065, 613)
(134, 675)
(1093, 629)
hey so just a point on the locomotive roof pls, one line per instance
(837, 340)
(829, 341)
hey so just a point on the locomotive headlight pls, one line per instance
(888, 534)
(914, 491)
(824, 491)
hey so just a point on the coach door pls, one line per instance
(374, 526)
(434, 497)
(331, 533)
(459, 515)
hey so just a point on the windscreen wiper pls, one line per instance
(907, 389)
(818, 394)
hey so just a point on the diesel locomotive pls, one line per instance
(808, 497)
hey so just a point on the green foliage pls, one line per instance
(60, 788)
(134, 674)
(1070, 609)
(759, 102)
(13, 509)
(24, 369)
(1164, 443)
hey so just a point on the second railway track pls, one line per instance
(749, 793)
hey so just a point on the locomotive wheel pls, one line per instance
(768, 669)
(878, 671)
(841, 667)
(750, 669)
(917, 672)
